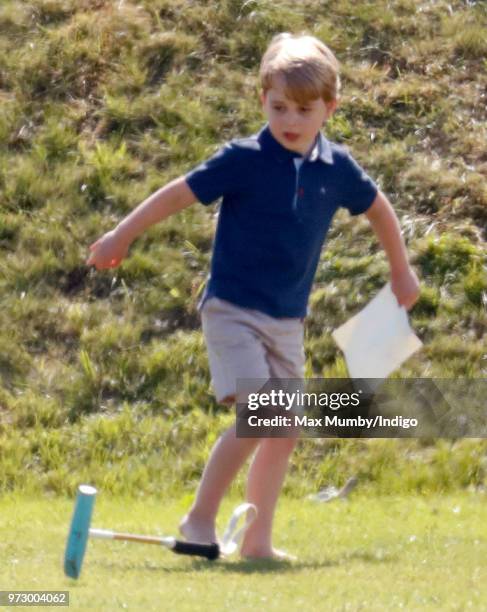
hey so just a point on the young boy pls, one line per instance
(280, 189)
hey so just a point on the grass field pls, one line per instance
(104, 101)
(366, 553)
(104, 376)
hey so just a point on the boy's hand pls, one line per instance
(108, 251)
(405, 286)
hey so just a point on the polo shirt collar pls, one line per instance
(321, 149)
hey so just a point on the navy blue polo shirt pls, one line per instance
(276, 210)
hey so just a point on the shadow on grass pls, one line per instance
(263, 566)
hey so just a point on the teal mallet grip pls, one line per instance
(79, 531)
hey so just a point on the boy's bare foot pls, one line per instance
(273, 554)
(197, 531)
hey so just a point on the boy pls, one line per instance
(280, 188)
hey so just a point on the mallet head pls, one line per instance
(79, 531)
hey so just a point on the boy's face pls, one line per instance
(295, 126)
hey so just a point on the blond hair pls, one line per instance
(308, 67)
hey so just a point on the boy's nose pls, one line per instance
(292, 121)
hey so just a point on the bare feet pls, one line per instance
(272, 554)
(197, 530)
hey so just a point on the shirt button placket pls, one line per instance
(298, 193)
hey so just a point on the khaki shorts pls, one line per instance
(248, 344)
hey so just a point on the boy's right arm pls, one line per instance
(112, 247)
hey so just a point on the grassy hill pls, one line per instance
(104, 375)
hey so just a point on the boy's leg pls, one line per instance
(266, 476)
(227, 457)
(285, 355)
(234, 347)
(234, 350)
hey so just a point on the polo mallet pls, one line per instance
(80, 531)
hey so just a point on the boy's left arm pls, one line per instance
(384, 222)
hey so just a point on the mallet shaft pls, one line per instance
(210, 551)
(131, 537)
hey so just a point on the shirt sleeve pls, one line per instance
(359, 190)
(218, 176)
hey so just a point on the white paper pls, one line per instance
(378, 339)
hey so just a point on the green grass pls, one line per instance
(95, 115)
(104, 376)
(368, 553)
(132, 450)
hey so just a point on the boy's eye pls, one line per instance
(305, 110)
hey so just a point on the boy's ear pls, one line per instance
(331, 107)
